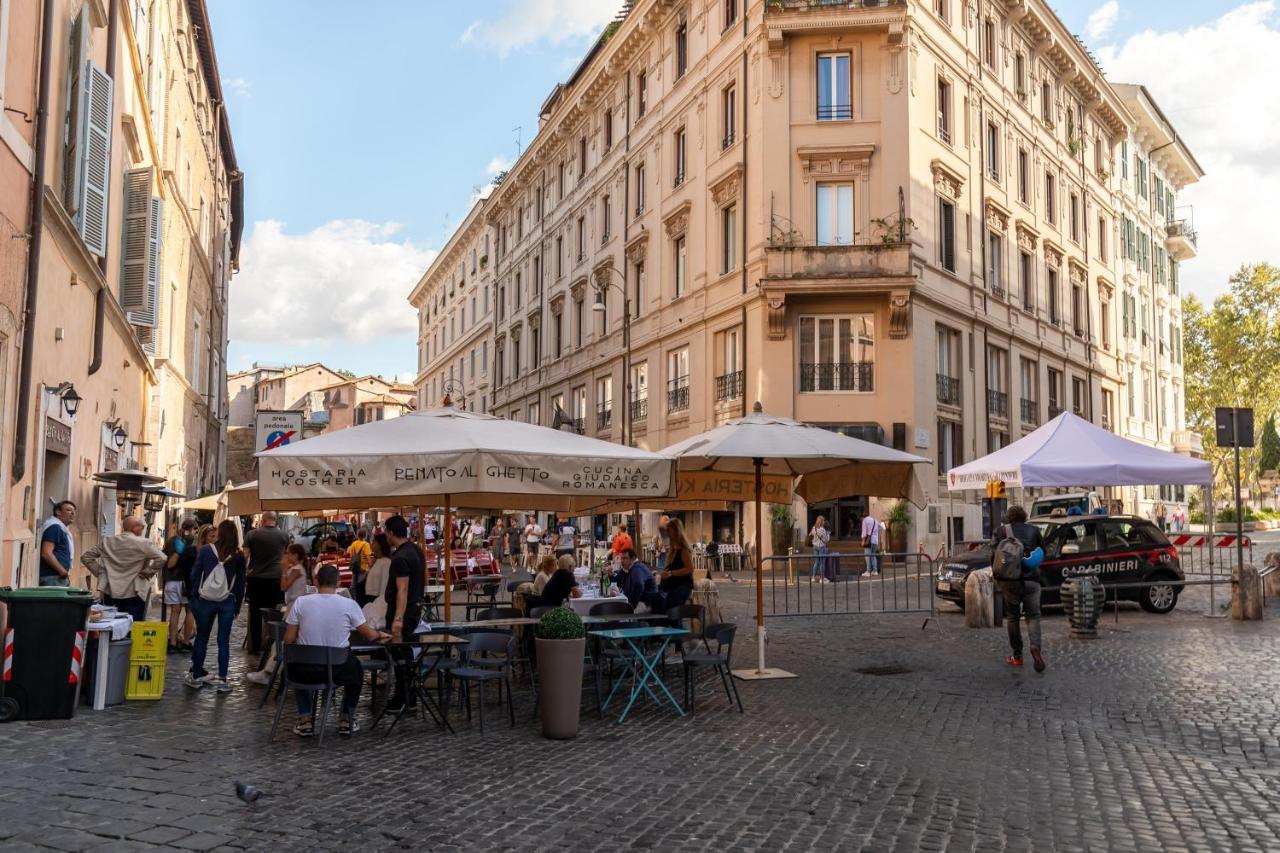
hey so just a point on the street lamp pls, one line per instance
(120, 436)
(603, 285)
(66, 392)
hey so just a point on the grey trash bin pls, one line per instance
(117, 674)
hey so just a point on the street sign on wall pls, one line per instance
(276, 429)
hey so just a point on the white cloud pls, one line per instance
(1216, 83)
(1102, 19)
(346, 282)
(497, 166)
(526, 22)
(238, 87)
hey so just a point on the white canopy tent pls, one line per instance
(1070, 451)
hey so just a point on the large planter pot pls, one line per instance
(560, 686)
(898, 539)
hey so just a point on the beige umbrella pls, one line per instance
(827, 464)
(456, 458)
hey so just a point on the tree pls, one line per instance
(1269, 448)
(1230, 354)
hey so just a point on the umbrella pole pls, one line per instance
(448, 562)
(761, 671)
(760, 668)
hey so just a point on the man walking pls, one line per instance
(871, 529)
(57, 546)
(266, 545)
(124, 566)
(1022, 597)
(532, 542)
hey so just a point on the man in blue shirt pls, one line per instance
(57, 547)
(637, 583)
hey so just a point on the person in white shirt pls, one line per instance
(328, 619)
(532, 539)
(566, 540)
(871, 529)
(820, 538)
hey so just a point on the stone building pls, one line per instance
(898, 220)
(123, 336)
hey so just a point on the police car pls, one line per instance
(1117, 549)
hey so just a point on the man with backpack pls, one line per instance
(1018, 549)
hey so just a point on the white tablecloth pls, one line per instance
(120, 625)
(583, 605)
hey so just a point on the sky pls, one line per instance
(365, 137)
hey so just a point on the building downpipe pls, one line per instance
(22, 430)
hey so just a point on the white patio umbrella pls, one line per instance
(451, 458)
(828, 464)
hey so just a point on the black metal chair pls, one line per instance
(482, 647)
(492, 613)
(372, 662)
(683, 617)
(325, 656)
(276, 631)
(605, 655)
(719, 659)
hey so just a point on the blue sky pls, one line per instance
(363, 138)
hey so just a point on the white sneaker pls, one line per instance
(222, 685)
(193, 682)
(261, 678)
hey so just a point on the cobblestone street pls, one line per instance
(1160, 735)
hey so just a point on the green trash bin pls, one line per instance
(43, 652)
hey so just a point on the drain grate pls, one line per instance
(889, 669)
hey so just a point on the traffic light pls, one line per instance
(995, 489)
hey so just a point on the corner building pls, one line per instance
(892, 219)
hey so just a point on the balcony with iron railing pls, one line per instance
(729, 386)
(1180, 240)
(604, 417)
(1054, 410)
(777, 7)
(728, 140)
(640, 409)
(838, 376)
(997, 403)
(1030, 411)
(1107, 423)
(678, 394)
(948, 389)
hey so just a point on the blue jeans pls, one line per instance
(206, 612)
(819, 561)
(872, 555)
(54, 580)
(660, 561)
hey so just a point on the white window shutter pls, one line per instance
(95, 156)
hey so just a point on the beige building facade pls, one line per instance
(895, 220)
(94, 386)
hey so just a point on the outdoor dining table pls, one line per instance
(634, 638)
(415, 674)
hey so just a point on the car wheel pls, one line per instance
(1158, 598)
(9, 709)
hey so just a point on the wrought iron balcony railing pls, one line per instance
(997, 403)
(948, 389)
(729, 386)
(838, 376)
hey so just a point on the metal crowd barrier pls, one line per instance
(905, 584)
(1194, 549)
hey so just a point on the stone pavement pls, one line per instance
(1160, 735)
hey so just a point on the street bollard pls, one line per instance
(979, 599)
(1083, 599)
(1246, 594)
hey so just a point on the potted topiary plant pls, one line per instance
(561, 640)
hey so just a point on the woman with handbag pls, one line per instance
(217, 591)
(820, 539)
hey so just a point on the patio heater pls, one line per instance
(129, 485)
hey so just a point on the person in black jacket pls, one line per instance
(1022, 598)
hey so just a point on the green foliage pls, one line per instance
(780, 515)
(345, 374)
(1228, 515)
(899, 516)
(1269, 447)
(563, 623)
(1230, 352)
